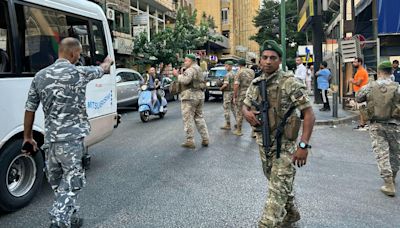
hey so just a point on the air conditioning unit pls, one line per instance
(110, 14)
(350, 49)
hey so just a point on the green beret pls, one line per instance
(385, 65)
(229, 63)
(242, 62)
(272, 46)
(190, 56)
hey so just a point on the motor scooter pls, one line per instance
(146, 108)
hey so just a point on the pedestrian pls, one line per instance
(396, 70)
(309, 78)
(61, 89)
(360, 79)
(323, 77)
(242, 81)
(383, 99)
(301, 70)
(284, 92)
(227, 89)
(192, 101)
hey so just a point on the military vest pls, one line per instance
(246, 80)
(381, 104)
(231, 80)
(198, 82)
(276, 113)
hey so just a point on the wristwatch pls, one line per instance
(304, 145)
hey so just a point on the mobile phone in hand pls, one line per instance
(28, 147)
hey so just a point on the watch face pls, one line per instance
(302, 145)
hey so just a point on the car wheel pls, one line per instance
(21, 176)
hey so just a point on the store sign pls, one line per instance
(123, 45)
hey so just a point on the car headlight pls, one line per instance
(208, 84)
(213, 83)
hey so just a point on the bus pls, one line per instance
(30, 31)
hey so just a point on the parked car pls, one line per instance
(128, 84)
(215, 80)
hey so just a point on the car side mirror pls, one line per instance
(118, 79)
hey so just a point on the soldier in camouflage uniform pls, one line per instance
(383, 100)
(61, 89)
(192, 101)
(227, 89)
(243, 80)
(284, 91)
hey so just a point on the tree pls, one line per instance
(264, 21)
(171, 44)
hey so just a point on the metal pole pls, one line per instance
(283, 33)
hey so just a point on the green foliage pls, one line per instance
(170, 45)
(263, 21)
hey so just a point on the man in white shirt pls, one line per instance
(301, 70)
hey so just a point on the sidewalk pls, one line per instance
(326, 118)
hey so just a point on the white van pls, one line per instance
(30, 31)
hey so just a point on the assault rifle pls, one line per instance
(263, 116)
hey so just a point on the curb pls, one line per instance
(337, 121)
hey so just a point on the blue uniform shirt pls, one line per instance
(323, 79)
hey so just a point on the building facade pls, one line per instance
(234, 20)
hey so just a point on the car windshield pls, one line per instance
(217, 73)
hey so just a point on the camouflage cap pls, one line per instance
(230, 63)
(242, 62)
(385, 65)
(190, 56)
(272, 46)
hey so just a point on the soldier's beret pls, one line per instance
(385, 65)
(242, 62)
(230, 63)
(272, 46)
(190, 56)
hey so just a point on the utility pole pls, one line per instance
(317, 35)
(283, 33)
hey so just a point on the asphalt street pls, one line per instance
(141, 177)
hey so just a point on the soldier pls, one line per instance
(61, 89)
(284, 93)
(383, 98)
(227, 89)
(192, 101)
(243, 79)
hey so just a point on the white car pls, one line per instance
(128, 84)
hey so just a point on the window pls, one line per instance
(100, 48)
(5, 60)
(224, 15)
(41, 30)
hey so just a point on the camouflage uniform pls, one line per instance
(279, 172)
(192, 102)
(61, 89)
(243, 78)
(228, 97)
(385, 136)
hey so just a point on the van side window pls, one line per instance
(100, 50)
(42, 31)
(5, 50)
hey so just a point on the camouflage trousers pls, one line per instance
(280, 174)
(229, 107)
(239, 114)
(66, 177)
(385, 144)
(192, 110)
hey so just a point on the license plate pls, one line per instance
(215, 92)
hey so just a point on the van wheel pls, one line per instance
(21, 177)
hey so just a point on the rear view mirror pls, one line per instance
(118, 79)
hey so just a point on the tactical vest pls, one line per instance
(198, 82)
(381, 104)
(276, 114)
(231, 80)
(245, 81)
